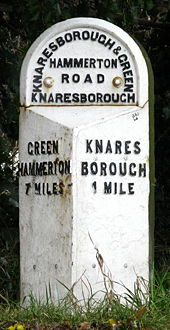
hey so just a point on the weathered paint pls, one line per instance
(61, 233)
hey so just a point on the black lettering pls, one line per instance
(110, 43)
(122, 58)
(43, 97)
(115, 188)
(94, 185)
(83, 98)
(85, 35)
(59, 63)
(123, 169)
(78, 63)
(59, 97)
(50, 168)
(60, 41)
(67, 63)
(67, 97)
(37, 89)
(75, 97)
(121, 191)
(67, 167)
(107, 63)
(100, 78)
(37, 189)
(91, 97)
(76, 35)
(94, 35)
(88, 79)
(99, 97)
(108, 147)
(37, 80)
(102, 39)
(41, 61)
(25, 171)
(52, 62)
(107, 98)
(68, 37)
(44, 169)
(125, 65)
(142, 170)
(39, 70)
(88, 147)
(43, 186)
(48, 190)
(115, 98)
(84, 168)
(137, 149)
(86, 62)
(28, 186)
(61, 167)
(99, 60)
(103, 169)
(128, 88)
(128, 73)
(118, 145)
(55, 147)
(129, 80)
(112, 168)
(20, 169)
(99, 146)
(65, 77)
(32, 168)
(114, 63)
(46, 53)
(38, 169)
(131, 188)
(92, 63)
(131, 98)
(107, 188)
(93, 168)
(53, 46)
(131, 167)
(55, 190)
(48, 144)
(61, 188)
(30, 148)
(36, 148)
(51, 98)
(127, 151)
(76, 78)
(123, 97)
(33, 97)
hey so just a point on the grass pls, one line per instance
(137, 312)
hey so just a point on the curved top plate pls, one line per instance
(84, 61)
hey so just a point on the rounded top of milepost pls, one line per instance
(84, 61)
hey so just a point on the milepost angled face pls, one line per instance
(84, 160)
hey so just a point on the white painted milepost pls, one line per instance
(85, 167)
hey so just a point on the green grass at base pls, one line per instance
(139, 311)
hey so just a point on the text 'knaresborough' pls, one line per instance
(98, 98)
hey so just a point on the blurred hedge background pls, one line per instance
(21, 21)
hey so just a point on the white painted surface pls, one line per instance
(60, 234)
(45, 220)
(87, 49)
(117, 224)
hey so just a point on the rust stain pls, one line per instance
(65, 185)
(56, 160)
